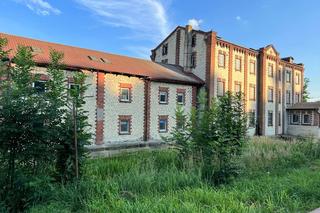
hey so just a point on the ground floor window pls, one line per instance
(163, 123)
(252, 119)
(307, 119)
(125, 124)
(270, 118)
(40, 86)
(295, 118)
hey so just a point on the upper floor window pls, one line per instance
(297, 78)
(221, 59)
(279, 75)
(252, 68)
(125, 92)
(194, 40)
(288, 97)
(279, 96)
(270, 94)
(221, 87)
(193, 59)
(288, 76)
(270, 70)
(237, 87)
(163, 95)
(252, 92)
(238, 64)
(165, 49)
(297, 99)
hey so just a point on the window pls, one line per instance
(124, 124)
(165, 49)
(237, 87)
(295, 118)
(279, 75)
(297, 78)
(288, 97)
(39, 86)
(193, 60)
(270, 118)
(252, 92)
(163, 95)
(252, 119)
(222, 60)
(238, 64)
(125, 92)
(270, 94)
(279, 120)
(194, 40)
(221, 87)
(252, 68)
(288, 76)
(297, 98)
(307, 119)
(163, 123)
(181, 96)
(279, 96)
(164, 61)
(74, 89)
(270, 70)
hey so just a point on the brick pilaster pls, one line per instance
(147, 105)
(245, 81)
(100, 108)
(210, 64)
(230, 70)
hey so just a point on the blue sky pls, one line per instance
(133, 27)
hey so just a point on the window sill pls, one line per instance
(124, 133)
(166, 131)
(163, 103)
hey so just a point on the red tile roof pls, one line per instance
(75, 57)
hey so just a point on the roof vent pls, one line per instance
(102, 60)
(35, 49)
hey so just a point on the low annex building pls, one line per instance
(304, 119)
(128, 99)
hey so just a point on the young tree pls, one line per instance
(306, 94)
(213, 136)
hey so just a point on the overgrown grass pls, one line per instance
(277, 176)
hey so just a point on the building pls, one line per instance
(128, 99)
(304, 119)
(271, 84)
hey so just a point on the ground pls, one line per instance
(275, 176)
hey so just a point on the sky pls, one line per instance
(134, 27)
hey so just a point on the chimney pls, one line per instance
(289, 59)
(188, 28)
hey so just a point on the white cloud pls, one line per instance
(195, 23)
(142, 17)
(40, 7)
(241, 20)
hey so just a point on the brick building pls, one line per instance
(271, 84)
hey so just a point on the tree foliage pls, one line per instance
(37, 127)
(306, 94)
(212, 137)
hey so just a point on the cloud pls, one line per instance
(241, 20)
(40, 7)
(195, 23)
(142, 17)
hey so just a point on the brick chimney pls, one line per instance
(188, 28)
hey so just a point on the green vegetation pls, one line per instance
(276, 176)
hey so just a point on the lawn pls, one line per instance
(275, 176)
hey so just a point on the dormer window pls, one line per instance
(35, 49)
(102, 60)
(93, 58)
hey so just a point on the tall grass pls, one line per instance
(278, 176)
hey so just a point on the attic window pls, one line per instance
(93, 58)
(102, 60)
(35, 49)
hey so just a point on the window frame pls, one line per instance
(238, 58)
(165, 49)
(270, 89)
(252, 119)
(181, 93)
(165, 119)
(164, 91)
(292, 122)
(270, 118)
(237, 83)
(40, 81)
(194, 40)
(223, 82)
(125, 87)
(270, 70)
(193, 60)
(127, 120)
(310, 119)
(221, 53)
(252, 86)
(254, 67)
